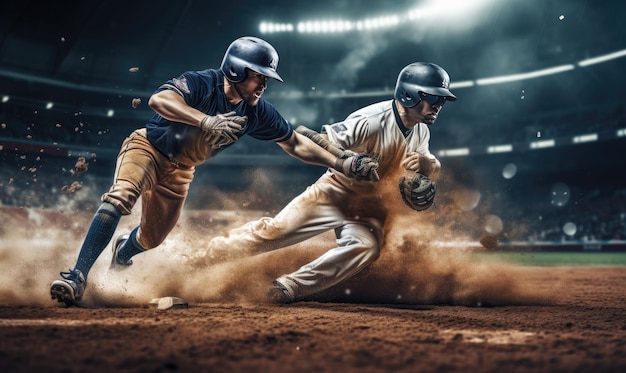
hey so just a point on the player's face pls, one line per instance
(427, 110)
(251, 88)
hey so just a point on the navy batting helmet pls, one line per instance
(422, 77)
(252, 53)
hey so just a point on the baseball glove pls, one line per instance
(418, 191)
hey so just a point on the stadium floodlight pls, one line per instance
(5, 98)
(375, 93)
(524, 76)
(269, 27)
(542, 144)
(454, 152)
(49, 105)
(340, 25)
(621, 132)
(462, 84)
(585, 138)
(603, 58)
(434, 10)
(505, 148)
(414, 14)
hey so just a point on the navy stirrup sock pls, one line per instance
(130, 248)
(100, 232)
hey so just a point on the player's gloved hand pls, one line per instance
(359, 167)
(424, 164)
(347, 153)
(224, 125)
(417, 191)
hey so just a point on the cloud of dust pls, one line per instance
(426, 259)
(413, 268)
(37, 244)
(416, 269)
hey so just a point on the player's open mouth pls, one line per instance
(258, 94)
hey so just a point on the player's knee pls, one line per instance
(109, 209)
(367, 248)
(268, 229)
(372, 251)
(123, 196)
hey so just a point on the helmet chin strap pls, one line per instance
(403, 117)
(232, 92)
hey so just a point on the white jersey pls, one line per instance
(378, 131)
(334, 203)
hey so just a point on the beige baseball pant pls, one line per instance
(163, 185)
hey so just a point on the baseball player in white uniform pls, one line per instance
(394, 132)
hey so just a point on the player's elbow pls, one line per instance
(155, 102)
(289, 145)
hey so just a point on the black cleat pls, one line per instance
(70, 288)
(278, 294)
(117, 245)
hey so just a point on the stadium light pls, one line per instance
(585, 138)
(454, 152)
(449, 7)
(506, 148)
(268, 27)
(524, 76)
(434, 9)
(604, 58)
(542, 144)
(328, 26)
(462, 84)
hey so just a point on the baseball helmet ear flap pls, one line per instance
(422, 77)
(252, 53)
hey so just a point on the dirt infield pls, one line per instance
(419, 308)
(584, 332)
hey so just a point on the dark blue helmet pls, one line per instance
(252, 53)
(422, 77)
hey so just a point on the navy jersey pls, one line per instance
(204, 90)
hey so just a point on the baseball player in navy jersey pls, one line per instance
(198, 115)
(396, 133)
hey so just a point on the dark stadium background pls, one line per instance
(77, 55)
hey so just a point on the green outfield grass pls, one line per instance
(559, 258)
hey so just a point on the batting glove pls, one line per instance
(359, 167)
(225, 125)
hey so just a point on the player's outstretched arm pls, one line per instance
(304, 149)
(357, 166)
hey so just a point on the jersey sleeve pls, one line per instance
(348, 134)
(268, 124)
(191, 85)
